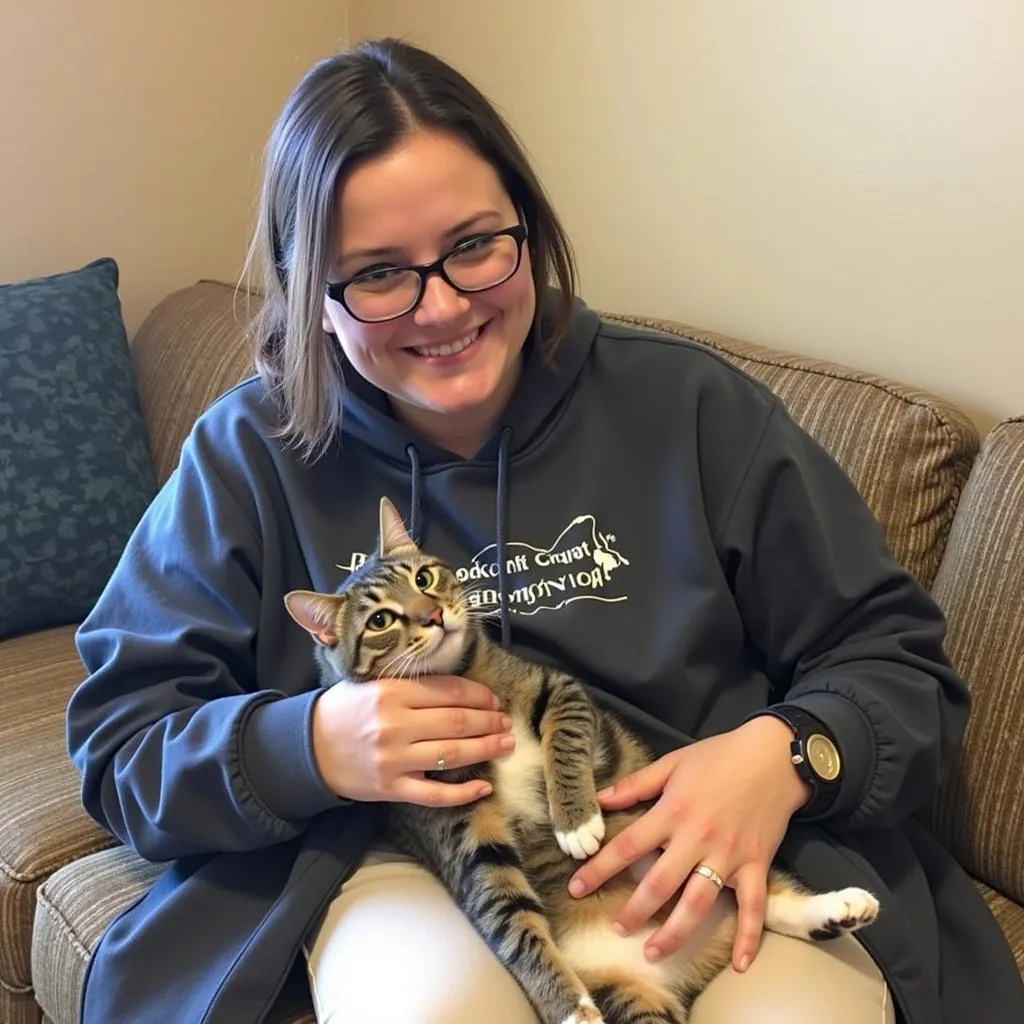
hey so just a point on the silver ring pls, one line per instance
(441, 762)
(709, 873)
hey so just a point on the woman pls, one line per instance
(637, 509)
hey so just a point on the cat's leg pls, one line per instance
(791, 910)
(475, 856)
(568, 730)
(623, 998)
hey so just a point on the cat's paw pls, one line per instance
(584, 841)
(844, 911)
(585, 1013)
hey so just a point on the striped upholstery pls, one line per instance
(188, 351)
(74, 908)
(981, 588)
(908, 452)
(1010, 916)
(42, 825)
(18, 1007)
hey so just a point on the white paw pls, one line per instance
(586, 1013)
(846, 910)
(584, 841)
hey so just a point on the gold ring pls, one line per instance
(441, 762)
(710, 873)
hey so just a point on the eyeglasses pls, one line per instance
(386, 293)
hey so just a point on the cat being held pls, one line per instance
(507, 858)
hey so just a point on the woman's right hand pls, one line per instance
(374, 741)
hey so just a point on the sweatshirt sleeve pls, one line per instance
(180, 751)
(844, 631)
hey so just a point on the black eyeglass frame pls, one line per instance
(518, 232)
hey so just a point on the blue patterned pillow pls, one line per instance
(75, 468)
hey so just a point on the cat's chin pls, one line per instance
(446, 655)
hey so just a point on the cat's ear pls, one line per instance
(316, 613)
(393, 536)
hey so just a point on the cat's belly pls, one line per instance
(519, 778)
(596, 946)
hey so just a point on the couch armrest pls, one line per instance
(44, 826)
(979, 813)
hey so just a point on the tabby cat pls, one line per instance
(507, 858)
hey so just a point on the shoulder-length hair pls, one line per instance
(349, 108)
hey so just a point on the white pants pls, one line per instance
(393, 948)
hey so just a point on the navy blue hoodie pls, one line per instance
(645, 516)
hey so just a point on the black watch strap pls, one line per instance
(809, 730)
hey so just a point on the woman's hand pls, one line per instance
(374, 741)
(724, 802)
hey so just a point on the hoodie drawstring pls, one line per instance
(500, 515)
(414, 463)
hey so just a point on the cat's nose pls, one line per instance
(435, 617)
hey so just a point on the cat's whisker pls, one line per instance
(484, 616)
(468, 588)
(385, 669)
(395, 668)
(417, 660)
(408, 665)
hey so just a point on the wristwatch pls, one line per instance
(815, 756)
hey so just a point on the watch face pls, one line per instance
(823, 757)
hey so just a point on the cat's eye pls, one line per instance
(426, 578)
(380, 619)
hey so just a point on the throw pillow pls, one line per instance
(75, 468)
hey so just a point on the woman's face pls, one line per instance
(413, 205)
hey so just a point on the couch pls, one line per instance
(952, 509)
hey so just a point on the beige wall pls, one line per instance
(133, 129)
(845, 179)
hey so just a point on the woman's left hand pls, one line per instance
(724, 802)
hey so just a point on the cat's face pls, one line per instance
(403, 613)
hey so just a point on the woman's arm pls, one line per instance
(179, 750)
(845, 632)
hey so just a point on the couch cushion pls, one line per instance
(1010, 916)
(979, 813)
(907, 451)
(19, 1008)
(75, 907)
(43, 824)
(75, 471)
(203, 324)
